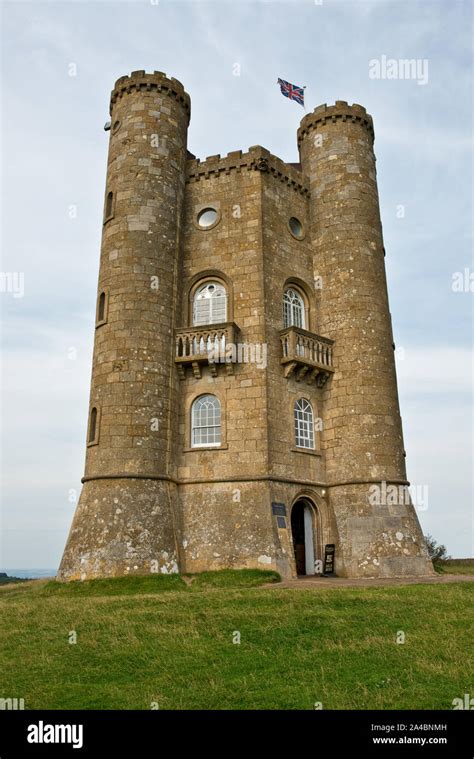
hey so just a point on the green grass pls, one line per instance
(232, 578)
(7, 580)
(450, 567)
(123, 586)
(120, 586)
(160, 639)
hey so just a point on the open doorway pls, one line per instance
(302, 530)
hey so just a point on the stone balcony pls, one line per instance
(204, 346)
(306, 355)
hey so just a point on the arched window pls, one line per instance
(304, 424)
(293, 309)
(210, 304)
(109, 205)
(206, 421)
(92, 437)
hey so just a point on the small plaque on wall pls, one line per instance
(329, 554)
(278, 509)
(281, 522)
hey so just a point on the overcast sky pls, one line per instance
(54, 153)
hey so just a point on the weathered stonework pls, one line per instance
(153, 503)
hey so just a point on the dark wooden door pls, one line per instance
(297, 531)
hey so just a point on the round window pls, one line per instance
(207, 217)
(296, 227)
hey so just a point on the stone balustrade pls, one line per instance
(208, 345)
(307, 355)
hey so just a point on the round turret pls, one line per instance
(362, 436)
(130, 431)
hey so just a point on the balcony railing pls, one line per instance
(306, 355)
(207, 345)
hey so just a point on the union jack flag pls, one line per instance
(292, 91)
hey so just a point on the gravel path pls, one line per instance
(308, 583)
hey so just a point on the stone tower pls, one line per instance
(244, 401)
(362, 434)
(126, 514)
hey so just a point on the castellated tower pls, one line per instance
(243, 408)
(126, 514)
(363, 438)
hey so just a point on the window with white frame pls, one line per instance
(293, 309)
(304, 424)
(206, 421)
(210, 304)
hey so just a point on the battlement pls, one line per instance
(140, 80)
(340, 110)
(256, 159)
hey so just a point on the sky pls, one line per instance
(59, 61)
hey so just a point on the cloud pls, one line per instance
(444, 370)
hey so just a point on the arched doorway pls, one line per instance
(302, 531)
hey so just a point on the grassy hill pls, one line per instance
(6, 579)
(455, 566)
(160, 642)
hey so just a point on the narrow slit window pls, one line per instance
(109, 205)
(92, 438)
(101, 308)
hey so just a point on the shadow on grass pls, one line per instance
(232, 578)
(156, 583)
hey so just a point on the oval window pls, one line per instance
(296, 227)
(207, 217)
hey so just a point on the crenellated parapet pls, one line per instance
(342, 111)
(256, 159)
(140, 80)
